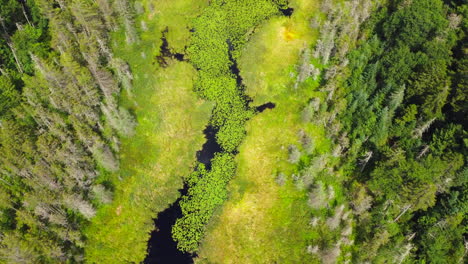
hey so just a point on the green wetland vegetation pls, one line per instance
(233, 131)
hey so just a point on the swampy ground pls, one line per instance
(156, 160)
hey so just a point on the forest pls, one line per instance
(233, 131)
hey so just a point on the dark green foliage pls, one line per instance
(405, 181)
(398, 115)
(10, 14)
(57, 114)
(30, 40)
(23, 31)
(404, 89)
(443, 228)
(218, 37)
(414, 24)
(9, 96)
(207, 190)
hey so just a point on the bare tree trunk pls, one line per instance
(18, 63)
(7, 183)
(3, 72)
(423, 152)
(4, 28)
(13, 50)
(419, 131)
(405, 254)
(25, 14)
(466, 251)
(62, 4)
(402, 213)
(366, 159)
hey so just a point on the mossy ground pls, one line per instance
(263, 222)
(154, 161)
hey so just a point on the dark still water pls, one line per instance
(161, 247)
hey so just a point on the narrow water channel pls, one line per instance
(161, 246)
(165, 52)
(210, 148)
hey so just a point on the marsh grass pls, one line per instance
(154, 161)
(263, 222)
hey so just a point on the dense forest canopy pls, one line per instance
(60, 123)
(335, 131)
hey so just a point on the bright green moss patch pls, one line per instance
(262, 222)
(155, 160)
(218, 36)
(266, 219)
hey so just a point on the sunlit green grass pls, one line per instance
(263, 222)
(270, 56)
(154, 161)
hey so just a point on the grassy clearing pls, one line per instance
(273, 51)
(263, 222)
(155, 160)
(177, 16)
(218, 36)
